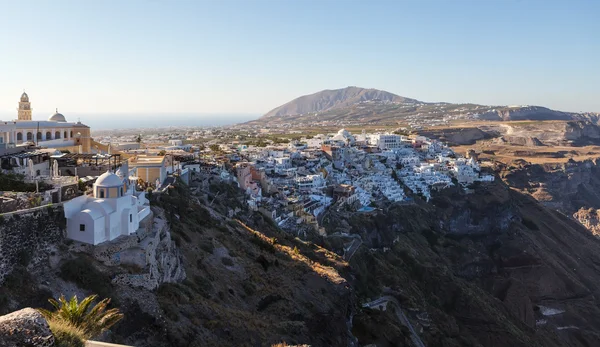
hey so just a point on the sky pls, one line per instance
(221, 59)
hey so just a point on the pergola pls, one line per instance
(77, 159)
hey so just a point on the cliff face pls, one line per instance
(572, 188)
(493, 268)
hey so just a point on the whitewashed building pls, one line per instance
(114, 209)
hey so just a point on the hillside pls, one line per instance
(327, 100)
(494, 268)
(358, 106)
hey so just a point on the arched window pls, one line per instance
(65, 135)
(29, 136)
(1, 139)
(57, 135)
(48, 135)
(19, 136)
(71, 133)
(39, 136)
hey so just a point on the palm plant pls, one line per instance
(92, 320)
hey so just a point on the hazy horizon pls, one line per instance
(247, 57)
(148, 119)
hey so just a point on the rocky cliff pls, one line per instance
(492, 268)
(572, 188)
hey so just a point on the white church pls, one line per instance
(114, 209)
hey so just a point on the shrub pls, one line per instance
(530, 224)
(79, 319)
(263, 262)
(66, 334)
(249, 287)
(82, 272)
(262, 244)
(207, 246)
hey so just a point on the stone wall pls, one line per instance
(29, 237)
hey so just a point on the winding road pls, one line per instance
(416, 340)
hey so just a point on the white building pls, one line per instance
(387, 141)
(115, 209)
(7, 134)
(310, 182)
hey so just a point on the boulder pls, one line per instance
(25, 328)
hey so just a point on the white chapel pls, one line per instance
(114, 209)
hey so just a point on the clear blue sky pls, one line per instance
(248, 56)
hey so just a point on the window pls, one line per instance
(48, 135)
(65, 135)
(101, 193)
(57, 135)
(38, 136)
(130, 218)
(71, 133)
(81, 227)
(19, 136)
(29, 136)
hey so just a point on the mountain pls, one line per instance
(327, 100)
(354, 106)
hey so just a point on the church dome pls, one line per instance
(57, 117)
(108, 179)
(24, 97)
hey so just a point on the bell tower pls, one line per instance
(24, 108)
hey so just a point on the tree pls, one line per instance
(91, 320)
(139, 138)
(214, 147)
(162, 152)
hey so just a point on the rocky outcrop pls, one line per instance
(26, 328)
(150, 251)
(520, 141)
(162, 259)
(589, 218)
(567, 187)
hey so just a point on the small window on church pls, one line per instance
(130, 218)
(81, 227)
(102, 193)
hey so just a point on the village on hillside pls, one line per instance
(103, 181)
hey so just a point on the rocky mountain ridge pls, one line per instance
(371, 106)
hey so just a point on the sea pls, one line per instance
(151, 120)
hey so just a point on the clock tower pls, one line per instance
(24, 108)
